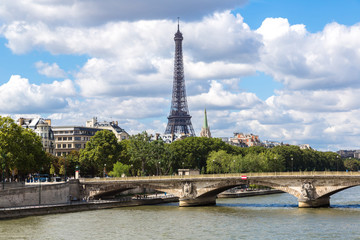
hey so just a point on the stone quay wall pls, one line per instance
(42, 193)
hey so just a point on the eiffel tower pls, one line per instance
(179, 120)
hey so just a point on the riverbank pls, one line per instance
(20, 212)
(239, 193)
(75, 206)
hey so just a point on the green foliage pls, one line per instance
(192, 152)
(52, 170)
(102, 149)
(119, 169)
(140, 152)
(352, 164)
(219, 162)
(278, 159)
(20, 149)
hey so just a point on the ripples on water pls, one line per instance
(262, 217)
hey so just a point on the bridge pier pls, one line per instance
(192, 202)
(315, 203)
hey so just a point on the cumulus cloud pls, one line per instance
(222, 37)
(52, 71)
(94, 12)
(218, 97)
(303, 60)
(19, 96)
(129, 69)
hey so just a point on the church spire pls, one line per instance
(205, 130)
(205, 120)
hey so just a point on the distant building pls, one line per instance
(357, 154)
(304, 146)
(271, 144)
(348, 153)
(70, 138)
(205, 130)
(168, 138)
(113, 126)
(245, 140)
(188, 172)
(42, 127)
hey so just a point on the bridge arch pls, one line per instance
(312, 189)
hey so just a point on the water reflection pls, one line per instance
(257, 205)
(262, 217)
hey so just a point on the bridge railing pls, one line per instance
(226, 175)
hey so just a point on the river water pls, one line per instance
(262, 217)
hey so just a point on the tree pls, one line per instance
(20, 149)
(352, 164)
(194, 151)
(119, 169)
(219, 162)
(140, 152)
(102, 150)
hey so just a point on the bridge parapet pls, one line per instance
(313, 189)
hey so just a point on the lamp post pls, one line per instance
(65, 169)
(337, 163)
(292, 164)
(159, 172)
(104, 173)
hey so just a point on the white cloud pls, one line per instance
(52, 71)
(303, 60)
(19, 96)
(219, 98)
(128, 74)
(94, 12)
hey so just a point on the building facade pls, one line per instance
(113, 126)
(71, 138)
(42, 127)
(245, 140)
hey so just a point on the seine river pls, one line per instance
(262, 217)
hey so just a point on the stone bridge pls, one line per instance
(312, 189)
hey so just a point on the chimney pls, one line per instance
(21, 121)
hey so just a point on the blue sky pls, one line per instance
(285, 70)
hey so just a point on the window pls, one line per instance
(64, 145)
(64, 138)
(77, 138)
(77, 145)
(69, 146)
(59, 138)
(58, 146)
(69, 138)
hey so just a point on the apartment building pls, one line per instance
(113, 126)
(245, 140)
(70, 138)
(42, 127)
